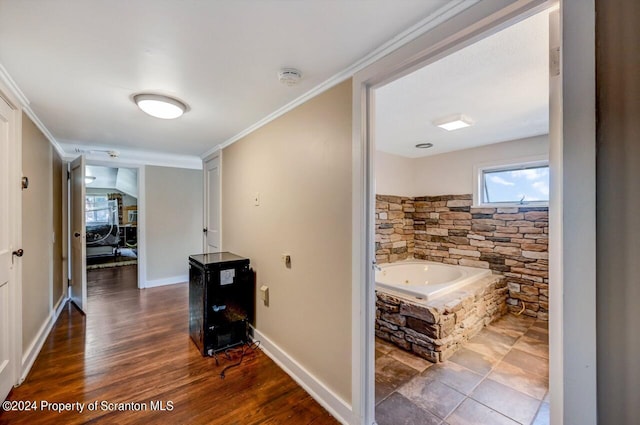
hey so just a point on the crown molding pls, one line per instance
(130, 156)
(446, 12)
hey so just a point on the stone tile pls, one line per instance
(512, 325)
(529, 362)
(432, 395)
(398, 410)
(542, 325)
(533, 346)
(539, 334)
(390, 374)
(511, 403)
(384, 346)
(543, 416)
(471, 412)
(512, 376)
(379, 354)
(494, 345)
(477, 362)
(452, 374)
(411, 360)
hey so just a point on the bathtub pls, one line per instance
(425, 280)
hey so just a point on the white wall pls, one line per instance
(173, 214)
(449, 173)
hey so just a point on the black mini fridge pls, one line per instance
(221, 301)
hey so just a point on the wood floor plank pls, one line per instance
(133, 346)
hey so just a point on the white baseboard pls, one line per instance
(340, 409)
(31, 353)
(166, 281)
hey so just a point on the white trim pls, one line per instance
(205, 203)
(31, 353)
(334, 404)
(166, 281)
(131, 157)
(506, 164)
(450, 9)
(26, 108)
(475, 23)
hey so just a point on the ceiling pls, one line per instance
(105, 177)
(79, 62)
(500, 82)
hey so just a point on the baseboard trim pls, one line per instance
(166, 281)
(31, 354)
(340, 409)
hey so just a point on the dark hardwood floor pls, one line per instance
(133, 347)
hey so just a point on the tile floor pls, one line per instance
(500, 377)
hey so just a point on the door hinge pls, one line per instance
(554, 62)
(68, 175)
(68, 282)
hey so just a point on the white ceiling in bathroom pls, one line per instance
(500, 82)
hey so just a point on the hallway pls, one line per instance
(134, 347)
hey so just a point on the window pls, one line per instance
(97, 209)
(517, 183)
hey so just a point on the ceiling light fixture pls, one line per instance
(160, 106)
(424, 145)
(453, 122)
(89, 179)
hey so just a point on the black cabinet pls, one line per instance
(221, 300)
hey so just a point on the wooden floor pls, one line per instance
(133, 347)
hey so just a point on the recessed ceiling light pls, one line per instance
(160, 106)
(453, 122)
(424, 145)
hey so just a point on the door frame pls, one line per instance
(15, 224)
(141, 231)
(205, 198)
(568, 400)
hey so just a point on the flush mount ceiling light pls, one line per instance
(453, 122)
(89, 179)
(160, 106)
(424, 145)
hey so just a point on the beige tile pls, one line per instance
(533, 346)
(477, 362)
(471, 412)
(511, 403)
(384, 346)
(399, 410)
(494, 345)
(512, 376)
(529, 362)
(432, 395)
(390, 374)
(411, 360)
(539, 334)
(512, 325)
(452, 374)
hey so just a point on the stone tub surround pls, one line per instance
(435, 329)
(512, 242)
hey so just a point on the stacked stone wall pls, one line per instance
(509, 241)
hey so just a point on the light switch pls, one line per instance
(256, 199)
(264, 294)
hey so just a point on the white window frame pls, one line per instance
(504, 165)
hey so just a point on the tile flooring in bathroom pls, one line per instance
(499, 377)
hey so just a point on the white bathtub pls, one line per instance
(426, 280)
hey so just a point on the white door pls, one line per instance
(78, 235)
(7, 368)
(212, 206)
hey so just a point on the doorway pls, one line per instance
(462, 189)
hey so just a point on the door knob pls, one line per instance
(205, 230)
(77, 234)
(18, 253)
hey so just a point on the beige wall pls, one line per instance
(618, 200)
(42, 263)
(448, 173)
(300, 164)
(173, 214)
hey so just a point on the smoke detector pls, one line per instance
(289, 76)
